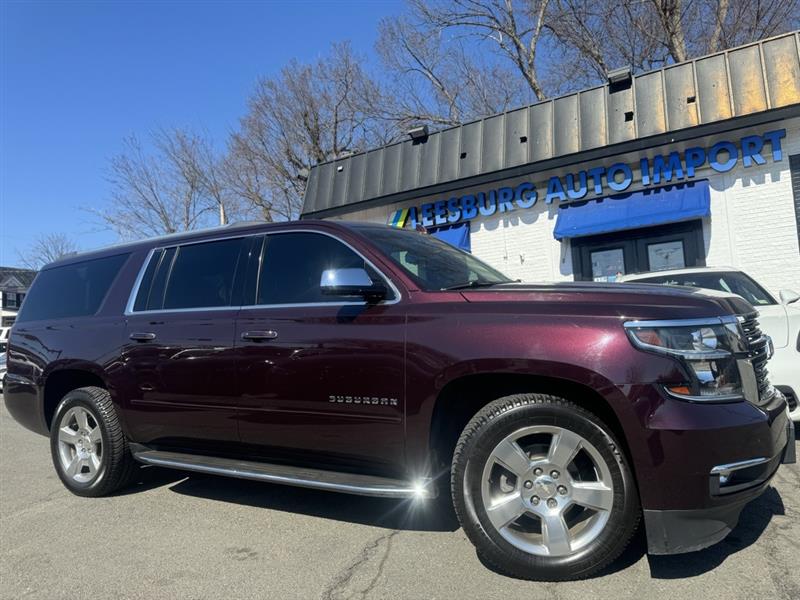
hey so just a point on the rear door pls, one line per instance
(179, 357)
(321, 377)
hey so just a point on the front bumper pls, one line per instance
(679, 531)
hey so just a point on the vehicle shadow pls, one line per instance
(438, 516)
(754, 519)
(408, 515)
(147, 477)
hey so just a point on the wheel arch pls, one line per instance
(461, 398)
(60, 381)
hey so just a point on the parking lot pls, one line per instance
(174, 535)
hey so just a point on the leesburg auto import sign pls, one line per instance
(657, 170)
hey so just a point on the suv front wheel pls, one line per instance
(89, 450)
(542, 489)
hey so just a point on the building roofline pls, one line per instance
(660, 102)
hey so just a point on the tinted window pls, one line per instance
(202, 275)
(147, 281)
(433, 264)
(728, 281)
(293, 265)
(74, 290)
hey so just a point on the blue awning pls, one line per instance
(457, 235)
(670, 204)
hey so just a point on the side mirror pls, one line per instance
(789, 296)
(351, 282)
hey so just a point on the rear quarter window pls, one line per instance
(74, 290)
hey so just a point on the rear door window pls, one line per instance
(74, 290)
(201, 275)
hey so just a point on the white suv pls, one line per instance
(779, 320)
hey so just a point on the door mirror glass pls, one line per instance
(350, 282)
(789, 296)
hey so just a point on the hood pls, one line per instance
(629, 300)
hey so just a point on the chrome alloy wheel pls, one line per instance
(547, 490)
(80, 444)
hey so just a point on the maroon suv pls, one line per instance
(368, 360)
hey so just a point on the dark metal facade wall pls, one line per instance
(742, 81)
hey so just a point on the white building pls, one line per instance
(14, 284)
(694, 164)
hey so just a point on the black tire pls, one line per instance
(115, 465)
(480, 437)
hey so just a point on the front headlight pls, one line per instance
(706, 347)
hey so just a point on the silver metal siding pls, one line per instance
(593, 118)
(449, 149)
(470, 157)
(621, 128)
(492, 149)
(540, 133)
(391, 169)
(516, 150)
(409, 172)
(355, 185)
(372, 186)
(325, 186)
(312, 198)
(782, 65)
(681, 96)
(565, 125)
(341, 173)
(712, 84)
(429, 160)
(650, 117)
(747, 83)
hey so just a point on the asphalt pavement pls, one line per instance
(174, 535)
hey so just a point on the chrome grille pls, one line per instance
(758, 352)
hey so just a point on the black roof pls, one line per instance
(23, 276)
(233, 229)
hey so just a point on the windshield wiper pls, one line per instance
(470, 284)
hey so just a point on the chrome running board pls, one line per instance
(348, 483)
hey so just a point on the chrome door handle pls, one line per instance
(260, 335)
(142, 336)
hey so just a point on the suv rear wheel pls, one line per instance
(542, 489)
(89, 450)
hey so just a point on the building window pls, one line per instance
(12, 300)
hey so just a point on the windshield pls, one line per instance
(725, 281)
(432, 263)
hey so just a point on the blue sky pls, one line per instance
(78, 77)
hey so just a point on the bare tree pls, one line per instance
(46, 249)
(514, 28)
(648, 34)
(306, 115)
(558, 46)
(436, 79)
(176, 185)
(741, 21)
(197, 167)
